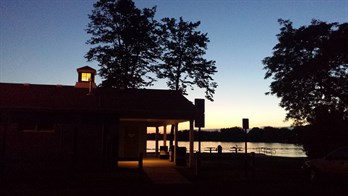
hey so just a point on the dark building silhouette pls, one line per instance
(81, 126)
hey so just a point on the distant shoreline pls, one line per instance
(268, 142)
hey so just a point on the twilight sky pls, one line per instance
(43, 41)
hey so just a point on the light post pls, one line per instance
(245, 128)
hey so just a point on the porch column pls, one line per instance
(191, 145)
(171, 135)
(156, 138)
(175, 140)
(165, 135)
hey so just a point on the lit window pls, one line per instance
(85, 77)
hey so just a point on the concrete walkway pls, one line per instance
(162, 171)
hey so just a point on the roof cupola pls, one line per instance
(86, 77)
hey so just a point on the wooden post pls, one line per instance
(253, 164)
(246, 154)
(165, 135)
(140, 162)
(198, 163)
(171, 135)
(176, 127)
(246, 127)
(191, 137)
(199, 139)
(171, 158)
(156, 139)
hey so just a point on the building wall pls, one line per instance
(28, 142)
(31, 141)
(29, 149)
(132, 139)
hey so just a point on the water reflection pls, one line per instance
(273, 149)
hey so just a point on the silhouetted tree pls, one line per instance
(309, 68)
(124, 41)
(183, 62)
(327, 131)
(232, 134)
(256, 135)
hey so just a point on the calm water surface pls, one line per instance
(272, 149)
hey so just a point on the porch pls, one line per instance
(159, 171)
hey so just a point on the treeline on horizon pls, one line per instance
(237, 134)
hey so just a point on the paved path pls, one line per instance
(162, 171)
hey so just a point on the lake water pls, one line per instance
(272, 149)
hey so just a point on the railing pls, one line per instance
(266, 150)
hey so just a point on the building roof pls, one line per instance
(86, 69)
(125, 103)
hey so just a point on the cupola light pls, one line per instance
(86, 77)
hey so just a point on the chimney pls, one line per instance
(86, 78)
